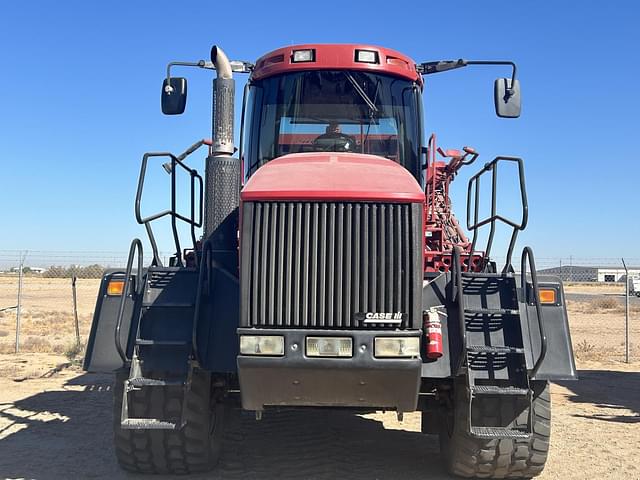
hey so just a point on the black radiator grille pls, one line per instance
(317, 264)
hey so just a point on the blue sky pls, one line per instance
(81, 84)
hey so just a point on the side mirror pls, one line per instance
(174, 95)
(507, 98)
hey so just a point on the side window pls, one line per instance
(411, 133)
(251, 125)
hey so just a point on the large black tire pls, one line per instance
(194, 448)
(468, 457)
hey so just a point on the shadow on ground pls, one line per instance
(610, 390)
(67, 434)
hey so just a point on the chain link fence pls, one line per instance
(47, 298)
(603, 270)
(42, 293)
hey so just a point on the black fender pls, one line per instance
(101, 352)
(559, 362)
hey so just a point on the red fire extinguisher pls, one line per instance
(433, 330)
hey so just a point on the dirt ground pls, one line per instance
(55, 420)
(55, 423)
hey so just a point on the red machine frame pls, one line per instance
(442, 229)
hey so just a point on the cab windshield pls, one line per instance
(334, 111)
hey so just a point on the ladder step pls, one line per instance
(487, 275)
(148, 424)
(490, 349)
(492, 311)
(163, 304)
(498, 432)
(163, 343)
(153, 382)
(496, 390)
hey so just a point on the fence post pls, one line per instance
(75, 308)
(19, 306)
(626, 312)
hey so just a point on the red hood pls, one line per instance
(332, 176)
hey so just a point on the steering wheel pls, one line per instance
(334, 142)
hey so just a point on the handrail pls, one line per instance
(474, 186)
(196, 215)
(459, 296)
(194, 177)
(136, 245)
(431, 161)
(527, 254)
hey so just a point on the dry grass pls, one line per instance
(74, 351)
(604, 305)
(47, 323)
(586, 351)
(44, 332)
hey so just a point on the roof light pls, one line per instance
(300, 56)
(367, 56)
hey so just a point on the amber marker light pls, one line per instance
(547, 296)
(115, 287)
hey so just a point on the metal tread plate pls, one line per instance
(497, 390)
(498, 432)
(495, 350)
(492, 311)
(162, 343)
(148, 424)
(486, 275)
(153, 382)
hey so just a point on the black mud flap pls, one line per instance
(558, 363)
(101, 353)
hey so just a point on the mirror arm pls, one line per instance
(236, 65)
(200, 64)
(509, 91)
(427, 68)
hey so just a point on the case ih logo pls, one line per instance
(380, 317)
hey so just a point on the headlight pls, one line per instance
(397, 347)
(262, 345)
(329, 347)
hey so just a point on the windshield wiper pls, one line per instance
(361, 92)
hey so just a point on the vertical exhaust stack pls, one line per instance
(222, 176)
(223, 100)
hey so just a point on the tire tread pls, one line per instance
(191, 449)
(504, 458)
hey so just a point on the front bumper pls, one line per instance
(360, 381)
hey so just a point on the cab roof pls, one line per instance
(337, 57)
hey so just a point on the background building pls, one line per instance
(577, 273)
